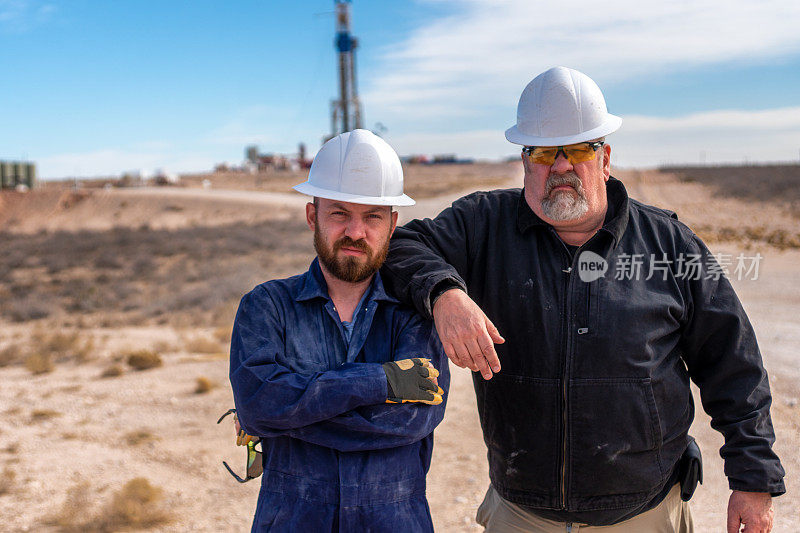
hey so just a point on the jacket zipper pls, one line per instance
(564, 398)
(567, 337)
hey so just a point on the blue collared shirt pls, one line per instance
(348, 327)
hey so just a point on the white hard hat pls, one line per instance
(561, 106)
(359, 167)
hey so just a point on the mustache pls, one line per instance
(360, 245)
(569, 178)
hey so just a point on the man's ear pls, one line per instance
(394, 222)
(311, 215)
(607, 161)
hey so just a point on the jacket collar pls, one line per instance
(314, 285)
(616, 216)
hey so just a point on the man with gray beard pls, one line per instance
(587, 298)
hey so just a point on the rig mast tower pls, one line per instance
(346, 111)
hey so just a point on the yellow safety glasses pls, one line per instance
(575, 153)
(255, 465)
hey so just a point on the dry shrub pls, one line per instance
(134, 438)
(74, 509)
(164, 347)
(224, 313)
(7, 479)
(202, 345)
(136, 505)
(39, 363)
(63, 346)
(779, 238)
(223, 334)
(29, 308)
(12, 448)
(10, 355)
(83, 353)
(39, 415)
(144, 359)
(108, 259)
(204, 385)
(55, 343)
(113, 371)
(72, 198)
(137, 265)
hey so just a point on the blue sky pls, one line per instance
(97, 88)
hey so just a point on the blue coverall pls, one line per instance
(336, 456)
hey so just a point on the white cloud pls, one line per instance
(485, 53)
(20, 16)
(730, 136)
(452, 85)
(114, 161)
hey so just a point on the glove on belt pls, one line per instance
(411, 380)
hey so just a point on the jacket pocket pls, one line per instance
(615, 437)
(519, 416)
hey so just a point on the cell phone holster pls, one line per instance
(691, 470)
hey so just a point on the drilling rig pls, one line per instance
(346, 111)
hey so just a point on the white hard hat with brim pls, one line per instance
(357, 167)
(307, 188)
(561, 106)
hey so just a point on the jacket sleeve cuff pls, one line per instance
(775, 489)
(435, 288)
(369, 382)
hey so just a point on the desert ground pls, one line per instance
(116, 306)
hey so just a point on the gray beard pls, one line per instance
(564, 205)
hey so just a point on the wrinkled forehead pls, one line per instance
(325, 204)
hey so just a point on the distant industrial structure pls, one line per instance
(346, 114)
(259, 162)
(16, 174)
(346, 111)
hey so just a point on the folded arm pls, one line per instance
(385, 425)
(269, 396)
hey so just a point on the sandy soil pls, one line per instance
(72, 426)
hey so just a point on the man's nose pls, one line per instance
(561, 164)
(356, 229)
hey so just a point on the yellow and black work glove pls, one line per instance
(412, 380)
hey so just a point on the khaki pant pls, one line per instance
(500, 516)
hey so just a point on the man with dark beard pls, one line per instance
(337, 380)
(587, 424)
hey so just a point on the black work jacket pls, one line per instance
(590, 413)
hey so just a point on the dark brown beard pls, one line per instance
(348, 268)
